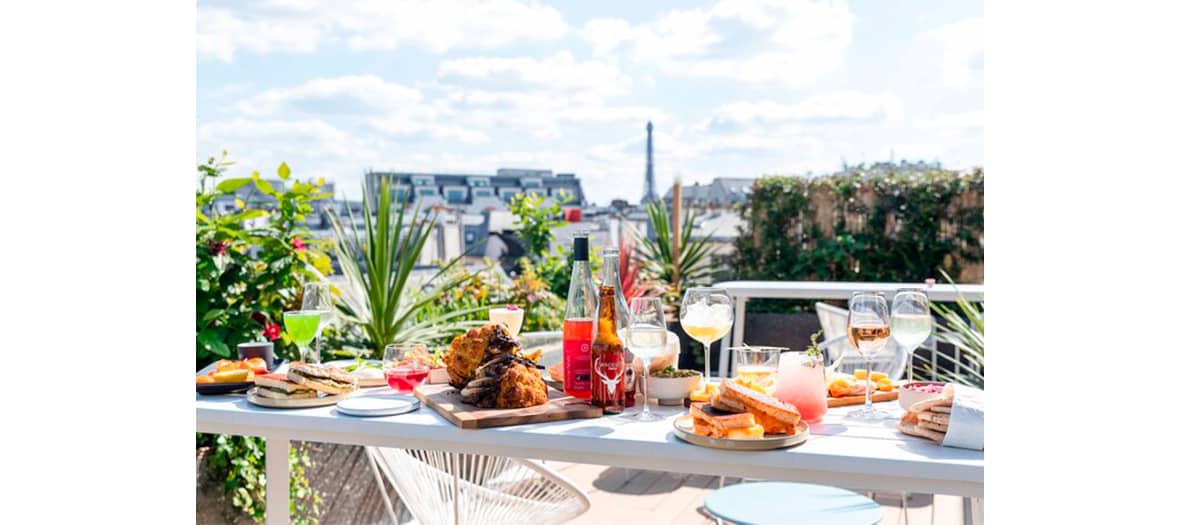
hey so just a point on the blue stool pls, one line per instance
(769, 502)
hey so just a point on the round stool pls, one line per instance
(782, 503)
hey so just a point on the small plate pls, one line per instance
(371, 405)
(360, 381)
(271, 402)
(210, 389)
(682, 427)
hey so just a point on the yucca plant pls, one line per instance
(696, 263)
(380, 298)
(961, 327)
(634, 285)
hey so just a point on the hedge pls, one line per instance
(867, 224)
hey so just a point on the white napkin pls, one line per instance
(965, 429)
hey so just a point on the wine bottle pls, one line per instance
(581, 305)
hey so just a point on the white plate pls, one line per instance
(369, 405)
(361, 381)
(271, 402)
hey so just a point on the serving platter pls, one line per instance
(210, 389)
(445, 400)
(321, 401)
(682, 427)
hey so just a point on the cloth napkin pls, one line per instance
(965, 429)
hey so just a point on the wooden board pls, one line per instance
(444, 399)
(878, 397)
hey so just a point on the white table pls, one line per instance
(844, 453)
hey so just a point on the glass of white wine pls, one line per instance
(706, 315)
(910, 322)
(868, 331)
(647, 335)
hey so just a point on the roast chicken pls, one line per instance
(486, 367)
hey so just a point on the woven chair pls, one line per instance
(492, 489)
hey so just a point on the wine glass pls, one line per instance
(868, 331)
(317, 297)
(302, 326)
(706, 315)
(406, 366)
(910, 322)
(647, 335)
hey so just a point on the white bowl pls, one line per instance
(907, 397)
(673, 387)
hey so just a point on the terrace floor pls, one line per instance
(619, 495)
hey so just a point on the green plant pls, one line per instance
(552, 266)
(250, 262)
(961, 327)
(697, 260)
(382, 299)
(241, 462)
(543, 309)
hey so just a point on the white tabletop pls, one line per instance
(846, 453)
(843, 290)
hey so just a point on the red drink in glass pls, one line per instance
(801, 383)
(403, 379)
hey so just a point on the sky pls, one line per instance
(734, 88)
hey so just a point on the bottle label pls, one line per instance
(609, 379)
(576, 364)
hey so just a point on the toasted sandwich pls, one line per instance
(322, 378)
(775, 416)
(277, 386)
(713, 422)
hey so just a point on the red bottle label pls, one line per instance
(576, 360)
(610, 376)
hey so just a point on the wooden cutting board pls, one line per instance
(444, 399)
(878, 397)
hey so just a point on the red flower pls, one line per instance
(272, 331)
(297, 243)
(218, 248)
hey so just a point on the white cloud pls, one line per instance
(437, 25)
(838, 106)
(362, 94)
(560, 71)
(220, 34)
(793, 42)
(961, 44)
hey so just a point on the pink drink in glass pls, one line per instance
(801, 383)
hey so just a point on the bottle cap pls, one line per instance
(581, 247)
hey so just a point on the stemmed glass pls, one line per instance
(910, 322)
(706, 315)
(868, 331)
(302, 326)
(646, 337)
(317, 297)
(406, 366)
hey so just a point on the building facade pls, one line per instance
(478, 193)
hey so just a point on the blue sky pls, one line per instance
(735, 88)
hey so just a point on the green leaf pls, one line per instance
(232, 185)
(284, 171)
(212, 314)
(209, 340)
(251, 214)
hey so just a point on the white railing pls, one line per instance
(743, 291)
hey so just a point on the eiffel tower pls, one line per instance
(649, 178)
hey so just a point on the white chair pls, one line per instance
(833, 319)
(490, 489)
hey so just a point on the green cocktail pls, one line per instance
(302, 326)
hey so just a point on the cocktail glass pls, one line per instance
(706, 315)
(302, 326)
(406, 366)
(757, 365)
(801, 382)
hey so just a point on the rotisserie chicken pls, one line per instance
(485, 366)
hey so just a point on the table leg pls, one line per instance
(973, 511)
(278, 481)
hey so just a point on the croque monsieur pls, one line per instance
(768, 414)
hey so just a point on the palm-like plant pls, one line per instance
(962, 328)
(696, 263)
(380, 297)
